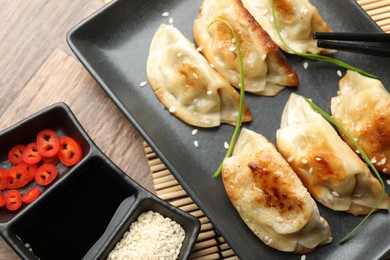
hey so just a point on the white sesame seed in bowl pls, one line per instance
(146, 227)
(152, 236)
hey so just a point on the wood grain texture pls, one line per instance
(38, 69)
(30, 31)
(63, 79)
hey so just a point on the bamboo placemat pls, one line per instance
(210, 244)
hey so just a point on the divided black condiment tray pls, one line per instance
(88, 208)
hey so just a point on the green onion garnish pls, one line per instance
(242, 94)
(364, 156)
(316, 56)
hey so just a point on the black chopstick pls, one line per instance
(340, 41)
(358, 48)
(347, 36)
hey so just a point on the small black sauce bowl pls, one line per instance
(86, 210)
(129, 211)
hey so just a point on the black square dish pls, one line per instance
(58, 118)
(128, 212)
(83, 206)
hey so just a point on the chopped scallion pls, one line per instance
(364, 156)
(242, 94)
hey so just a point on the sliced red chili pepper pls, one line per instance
(70, 151)
(2, 199)
(47, 143)
(31, 195)
(17, 176)
(13, 200)
(3, 179)
(52, 160)
(31, 169)
(15, 154)
(45, 174)
(31, 154)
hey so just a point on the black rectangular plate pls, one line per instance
(113, 44)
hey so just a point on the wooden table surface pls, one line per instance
(38, 69)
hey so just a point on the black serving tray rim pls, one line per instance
(134, 122)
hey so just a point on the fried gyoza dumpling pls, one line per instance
(187, 85)
(297, 21)
(362, 107)
(270, 198)
(327, 166)
(266, 69)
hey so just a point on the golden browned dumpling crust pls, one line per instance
(266, 69)
(270, 198)
(187, 85)
(297, 21)
(362, 107)
(331, 171)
